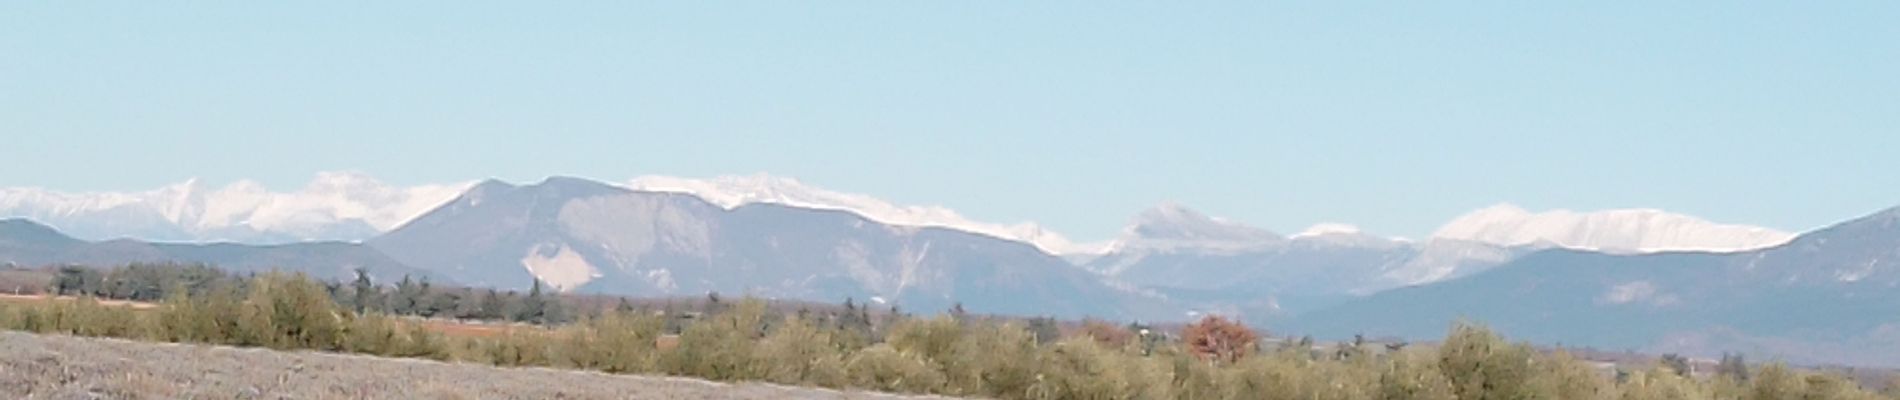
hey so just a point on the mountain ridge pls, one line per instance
(587, 236)
(1831, 287)
(352, 206)
(27, 243)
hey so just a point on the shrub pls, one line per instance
(1108, 335)
(518, 348)
(720, 348)
(1567, 378)
(1414, 375)
(883, 368)
(289, 312)
(796, 352)
(1480, 365)
(998, 360)
(1079, 368)
(1660, 384)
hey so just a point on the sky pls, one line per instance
(1393, 117)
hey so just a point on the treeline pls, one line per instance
(408, 297)
(950, 354)
(149, 282)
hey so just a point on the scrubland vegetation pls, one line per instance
(951, 354)
(66, 367)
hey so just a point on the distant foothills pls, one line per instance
(1626, 279)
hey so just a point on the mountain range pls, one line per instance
(26, 243)
(1642, 279)
(350, 206)
(335, 206)
(586, 236)
(1831, 295)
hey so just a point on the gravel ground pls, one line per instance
(60, 367)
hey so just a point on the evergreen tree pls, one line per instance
(624, 307)
(365, 292)
(1045, 330)
(848, 320)
(532, 309)
(1677, 363)
(493, 306)
(405, 299)
(713, 304)
(441, 303)
(73, 280)
(553, 311)
(470, 306)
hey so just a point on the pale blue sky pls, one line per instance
(1395, 117)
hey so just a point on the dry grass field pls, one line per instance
(62, 367)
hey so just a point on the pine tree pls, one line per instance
(403, 301)
(714, 304)
(533, 308)
(365, 292)
(1045, 330)
(624, 307)
(425, 304)
(1677, 363)
(493, 307)
(442, 303)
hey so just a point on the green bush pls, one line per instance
(883, 368)
(995, 360)
(1079, 368)
(289, 312)
(798, 353)
(1482, 366)
(1414, 375)
(720, 348)
(1661, 384)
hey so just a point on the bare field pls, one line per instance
(61, 367)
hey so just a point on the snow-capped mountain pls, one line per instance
(1619, 231)
(1218, 264)
(333, 206)
(736, 190)
(1173, 227)
(1826, 296)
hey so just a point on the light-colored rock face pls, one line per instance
(628, 226)
(559, 266)
(1624, 231)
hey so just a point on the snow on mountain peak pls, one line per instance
(333, 206)
(1170, 226)
(1327, 228)
(737, 190)
(1625, 230)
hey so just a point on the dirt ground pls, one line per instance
(61, 367)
